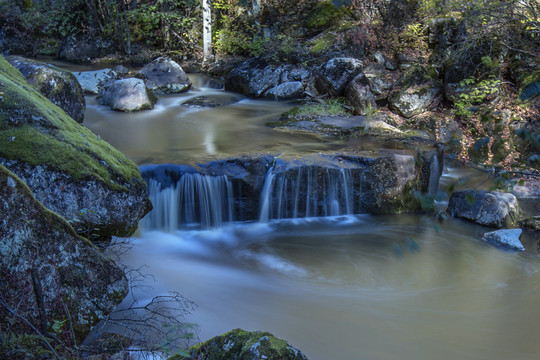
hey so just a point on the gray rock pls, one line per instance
(163, 75)
(59, 86)
(359, 96)
(411, 102)
(380, 80)
(508, 238)
(417, 94)
(286, 91)
(126, 95)
(245, 345)
(39, 247)
(253, 77)
(383, 61)
(333, 77)
(486, 208)
(121, 69)
(91, 81)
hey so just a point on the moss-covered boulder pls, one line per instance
(239, 344)
(59, 86)
(71, 170)
(52, 277)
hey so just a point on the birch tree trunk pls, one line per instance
(207, 29)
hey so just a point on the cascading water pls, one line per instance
(195, 199)
(307, 192)
(434, 175)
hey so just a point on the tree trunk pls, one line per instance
(207, 29)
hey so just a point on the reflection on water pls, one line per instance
(355, 287)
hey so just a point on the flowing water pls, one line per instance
(341, 286)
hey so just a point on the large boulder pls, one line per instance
(91, 81)
(126, 95)
(163, 75)
(71, 170)
(333, 77)
(417, 94)
(59, 86)
(239, 344)
(253, 77)
(51, 276)
(486, 208)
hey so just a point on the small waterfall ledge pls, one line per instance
(261, 188)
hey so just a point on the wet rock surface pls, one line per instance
(164, 75)
(126, 95)
(508, 238)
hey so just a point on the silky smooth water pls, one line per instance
(339, 287)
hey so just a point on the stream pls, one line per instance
(349, 286)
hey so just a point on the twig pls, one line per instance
(8, 308)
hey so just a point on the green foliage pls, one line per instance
(323, 15)
(477, 92)
(331, 107)
(234, 31)
(166, 23)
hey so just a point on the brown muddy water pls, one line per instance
(342, 287)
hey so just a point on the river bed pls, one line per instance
(341, 287)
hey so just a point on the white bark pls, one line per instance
(207, 29)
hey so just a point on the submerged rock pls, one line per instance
(239, 344)
(55, 276)
(508, 238)
(163, 75)
(486, 208)
(126, 95)
(71, 170)
(210, 101)
(59, 86)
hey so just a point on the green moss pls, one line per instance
(35, 131)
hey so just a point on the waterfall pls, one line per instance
(306, 192)
(195, 199)
(434, 176)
